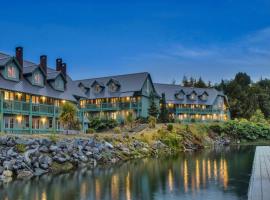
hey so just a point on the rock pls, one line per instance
(44, 166)
(45, 159)
(23, 141)
(59, 159)
(24, 174)
(3, 140)
(108, 145)
(53, 148)
(27, 155)
(44, 149)
(1, 169)
(88, 153)
(11, 153)
(158, 145)
(39, 172)
(8, 165)
(83, 158)
(7, 173)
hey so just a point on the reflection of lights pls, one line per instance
(97, 186)
(43, 196)
(128, 195)
(203, 172)
(197, 175)
(193, 183)
(225, 175)
(114, 187)
(209, 169)
(221, 169)
(185, 176)
(170, 180)
(83, 190)
(215, 169)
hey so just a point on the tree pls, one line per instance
(129, 119)
(258, 117)
(68, 116)
(153, 109)
(164, 113)
(185, 82)
(200, 83)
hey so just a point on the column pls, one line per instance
(31, 116)
(1, 112)
(54, 118)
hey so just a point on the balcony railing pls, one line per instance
(21, 107)
(197, 111)
(112, 106)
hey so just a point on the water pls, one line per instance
(210, 174)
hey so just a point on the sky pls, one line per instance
(212, 39)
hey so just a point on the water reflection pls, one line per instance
(205, 175)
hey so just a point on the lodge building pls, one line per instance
(188, 104)
(31, 96)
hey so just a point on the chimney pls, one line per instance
(43, 63)
(59, 64)
(64, 69)
(19, 55)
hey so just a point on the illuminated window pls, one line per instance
(12, 72)
(38, 78)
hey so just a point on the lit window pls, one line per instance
(38, 79)
(11, 72)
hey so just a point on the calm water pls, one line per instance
(211, 175)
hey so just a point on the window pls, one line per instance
(113, 87)
(59, 84)
(12, 72)
(38, 78)
(97, 88)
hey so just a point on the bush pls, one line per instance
(100, 124)
(53, 137)
(193, 120)
(170, 127)
(21, 148)
(90, 131)
(152, 121)
(117, 130)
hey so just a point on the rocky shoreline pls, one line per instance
(24, 158)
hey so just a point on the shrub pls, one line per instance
(152, 121)
(53, 137)
(170, 127)
(117, 130)
(192, 120)
(100, 124)
(90, 131)
(21, 148)
(129, 120)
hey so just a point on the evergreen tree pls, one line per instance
(200, 83)
(153, 109)
(164, 113)
(185, 82)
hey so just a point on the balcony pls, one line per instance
(113, 106)
(20, 107)
(197, 111)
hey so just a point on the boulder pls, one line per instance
(24, 174)
(44, 149)
(39, 172)
(45, 159)
(7, 173)
(108, 145)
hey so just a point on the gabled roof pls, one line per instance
(130, 83)
(101, 84)
(113, 80)
(170, 90)
(23, 85)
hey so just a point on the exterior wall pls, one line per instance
(29, 115)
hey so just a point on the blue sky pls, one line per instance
(212, 39)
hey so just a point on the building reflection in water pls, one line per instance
(197, 175)
(97, 187)
(128, 193)
(209, 169)
(43, 196)
(185, 176)
(170, 180)
(115, 187)
(203, 173)
(215, 169)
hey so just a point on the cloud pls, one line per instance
(213, 61)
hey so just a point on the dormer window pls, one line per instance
(180, 95)
(97, 88)
(59, 83)
(12, 72)
(38, 78)
(192, 96)
(113, 87)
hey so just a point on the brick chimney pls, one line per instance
(59, 64)
(19, 57)
(43, 63)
